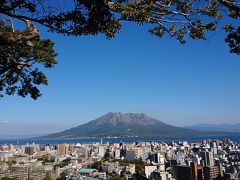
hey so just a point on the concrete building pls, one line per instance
(211, 172)
(19, 175)
(88, 172)
(102, 175)
(130, 155)
(110, 166)
(101, 150)
(158, 175)
(149, 170)
(130, 168)
(41, 174)
(117, 153)
(62, 149)
(29, 150)
(207, 158)
(187, 172)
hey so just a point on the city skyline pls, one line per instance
(172, 160)
(119, 90)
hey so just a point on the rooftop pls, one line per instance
(87, 170)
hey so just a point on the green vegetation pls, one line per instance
(21, 55)
(61, 164)
(46, 160)
(114, 176)
(40, 159)
(62, 176)
(141, 125)
(8, 178)
(48, 177)
(10, 163)
(96, 165)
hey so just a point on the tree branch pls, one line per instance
(163, 5)
(18, 65)
(230, 6)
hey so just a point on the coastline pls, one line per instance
(114, 140)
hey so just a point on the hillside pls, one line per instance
(129, 124)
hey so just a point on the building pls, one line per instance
(101, 151)
(110, 166)
(130, 168)
(19, 175)
(117, 153)
(102, 175)
(88, 172)
(29, 150)
(149, 170)
(187, 172)
(62, 149)
(211, 172)
(159, 175)
(21, 168)
(130, 155)
(41, 174)
(207, 158)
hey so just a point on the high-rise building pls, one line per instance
(101, 150)
(117, 153)
(153, 157)
(211, 172)
(210, 157)
(130, 154)
(29, 150)
(207, 158)
(62, 149)
(187, 172)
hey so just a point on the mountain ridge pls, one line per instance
(124, 125)
(128, 118)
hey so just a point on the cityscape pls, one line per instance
(204, 160)
(119, 90)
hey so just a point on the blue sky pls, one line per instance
(136, 72)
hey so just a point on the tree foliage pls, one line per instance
(21, 53)
(48, 177)
(61, 164)
(96, 165)
(9, 178)
(179, 19)
(63, 176)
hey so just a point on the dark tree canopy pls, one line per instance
(21, 52)
(180, 19)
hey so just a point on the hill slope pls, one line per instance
(129, 124)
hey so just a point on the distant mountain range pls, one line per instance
(125, 125)
(234, 128)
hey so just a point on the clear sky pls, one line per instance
(136, 72)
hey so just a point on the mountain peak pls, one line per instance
(124, 114)
(126, 118)
(123, 124)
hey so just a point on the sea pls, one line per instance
(113, 140)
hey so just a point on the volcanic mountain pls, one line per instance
(123, 125)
